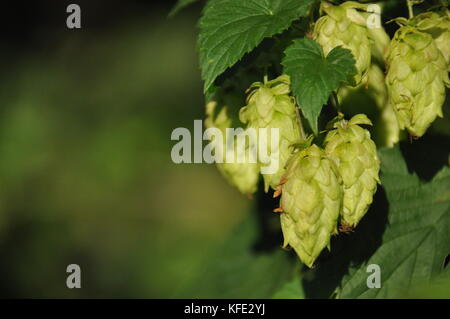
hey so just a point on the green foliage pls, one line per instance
(404, 230)
(231, 28)
(417, 238)
(315, 76)
(405, 233)
(412, 245)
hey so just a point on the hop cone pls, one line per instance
(387, 127)
(417, 73)
(438, 26)
(355, 155)
(379, 40)
(372, 99)
(270, 106)
(310, 203)
(344, 26)
(244, 176)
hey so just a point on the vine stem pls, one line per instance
(336, 101)
(300, 124)
(410, 4)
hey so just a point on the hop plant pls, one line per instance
(437, 24)
(311, 199)
(344, 26)
(335, 57)
(386, 125)
(373, 99)
(269, 105)
(417, 73)
(244, 176)
(376, 85)
(388, 129)
(355, 155)
(379, 40)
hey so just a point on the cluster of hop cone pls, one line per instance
(328, 188)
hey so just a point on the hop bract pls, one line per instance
(269, 105)
(344, 26)
(355, 155)
(417, 73)
(244, 176)
(437, 24)
(311, 201)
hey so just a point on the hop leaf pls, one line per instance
(315, 76)
(417, 73)
(311, 201)
(231, 28)
(355, 155)
(270, 106)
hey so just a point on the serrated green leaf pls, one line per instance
(231, 28)
(181, 4)
(315, 76)
(437, 288)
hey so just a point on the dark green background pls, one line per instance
(85, 170)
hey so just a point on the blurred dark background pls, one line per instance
(85, 169)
